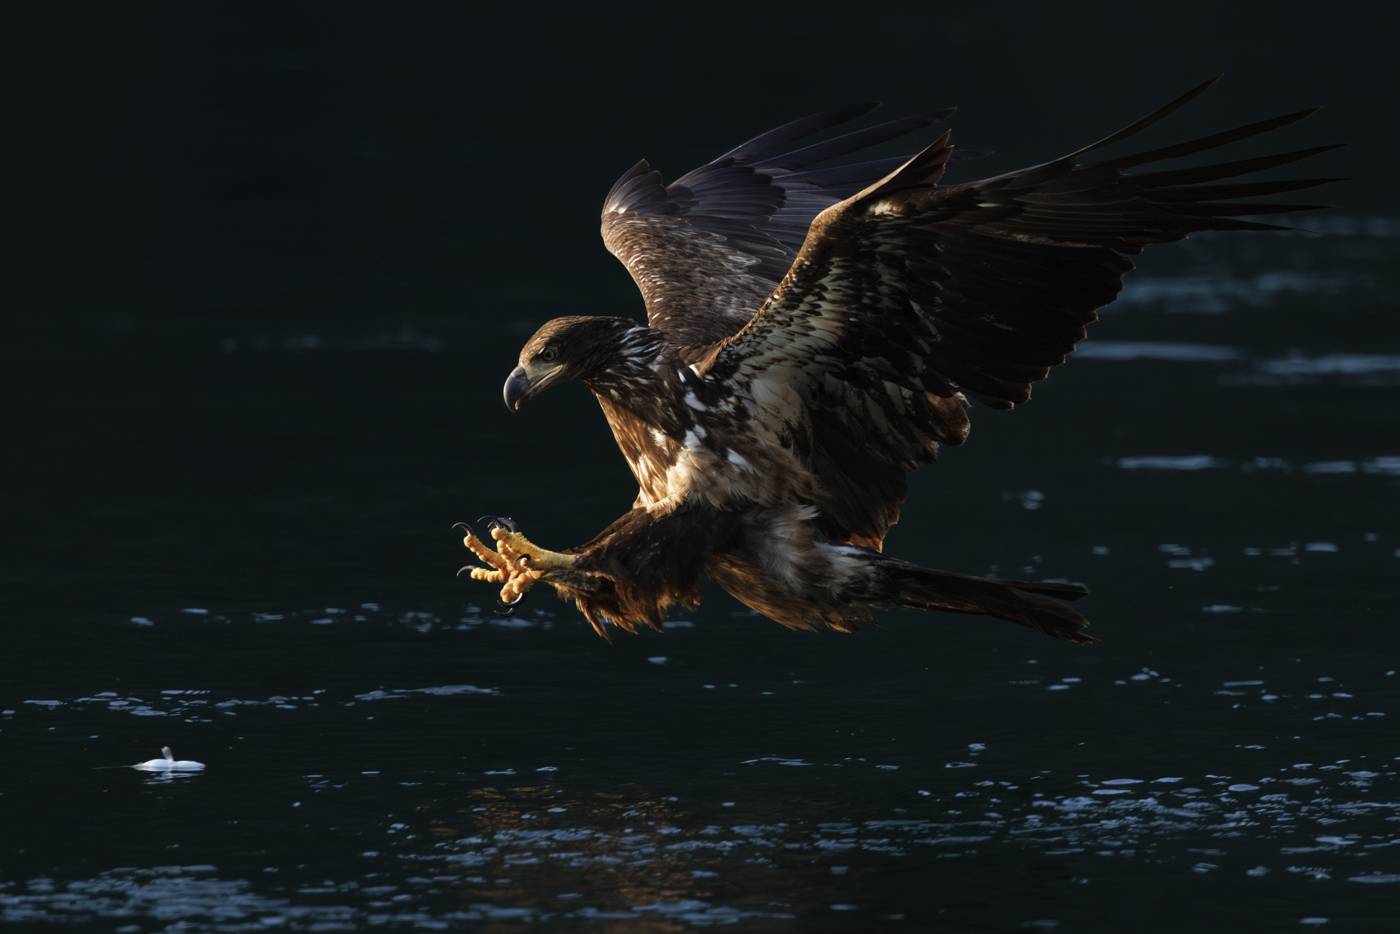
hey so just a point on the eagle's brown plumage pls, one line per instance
(815, 333)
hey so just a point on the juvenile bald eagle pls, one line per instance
(815, 332)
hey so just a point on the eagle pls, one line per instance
(816, 329)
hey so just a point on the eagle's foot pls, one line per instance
(517, 563)
(514, 545)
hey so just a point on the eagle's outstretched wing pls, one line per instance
(707, 249)
(908, 296)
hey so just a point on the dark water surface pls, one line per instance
(237, 544)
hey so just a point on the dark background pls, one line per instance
(293, 163)
(273, 262)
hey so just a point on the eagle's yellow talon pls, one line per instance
(484, 552)
(516, 562)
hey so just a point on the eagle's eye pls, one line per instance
(549, 355)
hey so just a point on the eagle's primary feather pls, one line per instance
(815, 332)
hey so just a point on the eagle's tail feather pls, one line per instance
(1039, 605)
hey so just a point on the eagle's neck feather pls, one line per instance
(636, 374)
(641, 391)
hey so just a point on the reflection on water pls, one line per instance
(383, 751)
(507, 846)
(815, 830)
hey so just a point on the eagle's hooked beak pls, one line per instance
(522, 384)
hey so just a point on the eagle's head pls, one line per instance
(578, 347)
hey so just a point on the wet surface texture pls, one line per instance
(238, 545)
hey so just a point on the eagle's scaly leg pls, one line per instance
(517, 563)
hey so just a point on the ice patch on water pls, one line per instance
(1337, 364)
(1182, 462)
(1368, 368)
(1218, 294)
(1157, 350)
(1385, 465)
(448, 690)
(779, 761)
(1377, 878)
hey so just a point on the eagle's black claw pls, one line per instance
(505, 609)
(495, 522)
(463, 526)
(468, 568)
